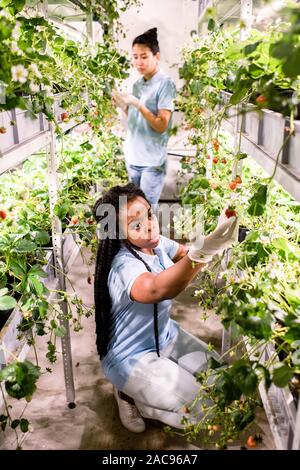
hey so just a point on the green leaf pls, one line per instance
(241, 155)
(211, 25)
(24, 423)
(256, 71)
(280, 50)
(282, 374)
(241, 91)
(256, 209)
(213, 364)
(291, 68)
(60, 331)
(202, 183)
(61, 210)
(15, 423)
(42, 237)
(3, 291)
(20, 378)
(258, 201)
(296, 357)
(59, 41)
(251, 47)
(261, 194)
(36, 270)
(18, 267)
(25, 246)
(16, 6)
(286, 247)
(7, 302)
(86, 146)
(37, 285)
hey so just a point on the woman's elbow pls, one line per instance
(162, 128)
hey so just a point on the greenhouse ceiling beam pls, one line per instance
(79, 4)
(61, 23)
(76, 3)
(224, 9)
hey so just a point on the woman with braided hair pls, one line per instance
(138, 271)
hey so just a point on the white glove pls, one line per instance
(203, 247)
(123, 100)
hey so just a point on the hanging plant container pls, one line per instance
(27, 126)
(231, 112)
(7, 130)
(253, 124)
(291, 149)
(44, 123)
(272, 132)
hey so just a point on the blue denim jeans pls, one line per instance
(149, 179)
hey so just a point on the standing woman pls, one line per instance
(149, 111)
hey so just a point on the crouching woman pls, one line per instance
(144, 353)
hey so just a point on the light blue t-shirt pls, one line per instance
(132, 331)
(144, 146)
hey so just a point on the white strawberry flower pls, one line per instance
(16, 32)
(35, 70)
(48, 89)
(211, 72)
(19, 73)
(34, 87)
(15, 48)
(5, 14)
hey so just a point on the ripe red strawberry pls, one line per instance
(216, 144)
(208, 157)
(64, 117)
(3, 215)
(2, 130)
(224, 161)
(230, 212)
(90, 221)
(238, 179)
(261, 99)
(74, 220)
(232, 185)
(215, 160)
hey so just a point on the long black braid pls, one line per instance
(108, 247)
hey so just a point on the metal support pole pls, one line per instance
(43, 6)
(296, 440)
(246, 23)
(59, 267)
(246, 18)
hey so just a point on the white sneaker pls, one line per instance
(129, 414)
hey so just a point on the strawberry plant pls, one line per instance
(257, 294)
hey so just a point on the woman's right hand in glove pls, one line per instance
(204, 247)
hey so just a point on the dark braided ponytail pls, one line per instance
(107, 250)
